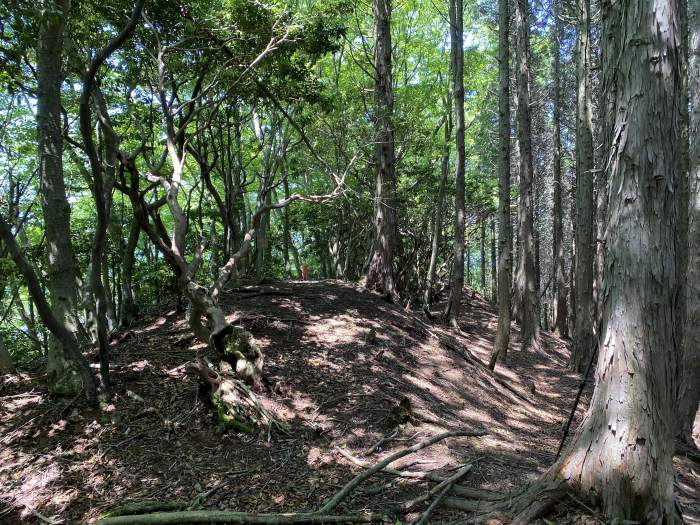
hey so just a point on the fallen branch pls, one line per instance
(441, 489)
(413, 474)
(433, 505)
(350, 486)
(205, 516)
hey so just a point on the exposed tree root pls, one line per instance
(523, 508)
(236, 406)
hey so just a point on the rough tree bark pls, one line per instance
(526, 298)
(559, 309)
(688, 392)
(621, 456)
(500, 347)
(457, 58)
(583, 273)
(684, 8)
(380, 273)
(63, 377)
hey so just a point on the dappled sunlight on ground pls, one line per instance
(337, 362)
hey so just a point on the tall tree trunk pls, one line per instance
(689, 393)
(621, 456)
(440, 208)
(571, 322)
(505, 275)
(527, 300)
(457, 54)
(380, 273)
(684, 184)
(63, 377)
(494, 275)
(559, 281)
(583, 273)
(483, 257)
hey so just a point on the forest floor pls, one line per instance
(338, 361)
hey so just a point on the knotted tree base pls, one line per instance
(230, 378)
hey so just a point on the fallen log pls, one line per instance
(206, 516)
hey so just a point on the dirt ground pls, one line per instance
(338, 361)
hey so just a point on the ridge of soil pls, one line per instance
(338, 361)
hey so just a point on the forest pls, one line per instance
(334, 261)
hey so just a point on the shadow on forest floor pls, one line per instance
(337, 360)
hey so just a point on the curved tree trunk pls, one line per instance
(500, 347)
(621, 456)
(525, 280)
(689, 392)
(583, 273)
(380, 273)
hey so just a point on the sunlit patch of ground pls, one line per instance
(338, 361)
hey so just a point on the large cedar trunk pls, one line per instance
(62, 374)
(621, 456)
(500, 347)
(526, 297)
(380, 274)
(583, 273)
(689, 391)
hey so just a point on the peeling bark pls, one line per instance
(621, 456)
